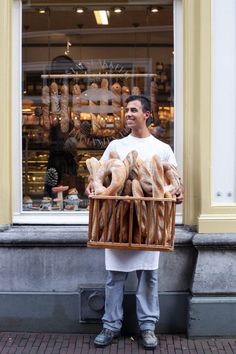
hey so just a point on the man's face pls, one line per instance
(134, 115)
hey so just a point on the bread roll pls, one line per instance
(116, 90)
(125, 92)
(136, 91)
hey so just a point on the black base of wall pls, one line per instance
(212, 316)
(69, 312)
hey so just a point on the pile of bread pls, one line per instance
(137, 178)
(101, 104)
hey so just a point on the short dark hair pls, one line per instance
(145, 102)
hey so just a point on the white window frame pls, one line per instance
(81, 217)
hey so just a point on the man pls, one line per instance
(120, 262)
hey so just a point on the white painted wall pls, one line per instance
(224, 101)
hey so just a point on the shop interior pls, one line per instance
(79, 64)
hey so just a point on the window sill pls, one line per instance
(64, 236)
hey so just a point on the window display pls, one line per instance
(75, 85)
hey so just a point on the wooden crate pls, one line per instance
(113, 223)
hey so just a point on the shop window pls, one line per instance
(76, 75)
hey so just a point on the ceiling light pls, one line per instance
(154, 9)
(42, 11)
(79, 10)
(101, 16)
(118, 10)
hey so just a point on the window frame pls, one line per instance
(79, 217)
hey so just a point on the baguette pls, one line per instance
(145, 177)
(76, 91)
(64, 108)
(141, 211)
(119, 224)
(157, 224)
(55, 106)
(45, 106)
(130, 162)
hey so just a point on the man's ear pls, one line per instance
(149, 118)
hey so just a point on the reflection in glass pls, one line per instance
(76, 78)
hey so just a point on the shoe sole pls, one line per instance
(101, 345)
(149, 348)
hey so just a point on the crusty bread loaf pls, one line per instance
(117, 169)
(114, 155)
(134, 173)
(119, 216)
(157, 223)
(150, 224)
(104, 86)
(116, 90)
(172, 178)
(141, 211)
(124, 95)
(136, 90)
(157, 177)
(153, 99)
(145, 177)
(93, 86)
(92, 165)
(76, 104)
(130, 162)
(64, 108)
(122, 216)
(55, 105)
(46, 107)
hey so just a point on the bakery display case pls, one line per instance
(34, 170)
(74, 119)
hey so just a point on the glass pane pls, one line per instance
(76, 77)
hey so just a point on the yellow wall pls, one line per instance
(5, 112)
(191, 109)
(198, 208)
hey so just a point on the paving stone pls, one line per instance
(60, 343)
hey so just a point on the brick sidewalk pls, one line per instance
(41, 343)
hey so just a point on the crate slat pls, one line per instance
(117, 211)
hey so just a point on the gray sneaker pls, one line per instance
(105, 337)
(149, 339)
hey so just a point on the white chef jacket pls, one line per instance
(130, 260)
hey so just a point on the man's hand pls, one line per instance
(180, 194)
(90, 189)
